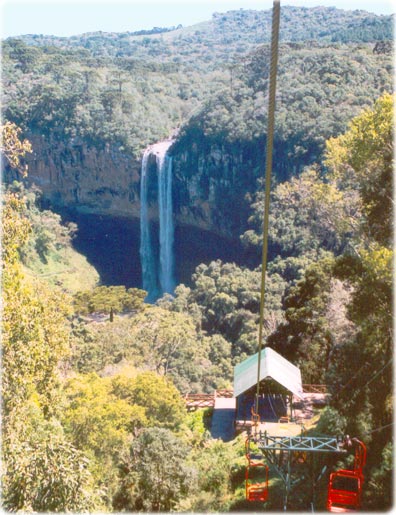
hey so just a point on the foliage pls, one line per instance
(101, 425)
(363, 366)
(162, 403)
(307, 214)
(371, 276)
(72, 94)
(44, 472)
(226, 298)
(362, 160)
(226, 33)
(315, 321)
(195, 429)
(35, 328)
(48, 251)
(98, 420)
(127, 438)
(35, 338)
(156, 475)
(15, 227)
(109, 298)
(319, 91)
(379, 488)
(170, 345)
(215, 468)
(221, 469)
(331, 422)
(369, 270)
(96, 347)
(13, 148)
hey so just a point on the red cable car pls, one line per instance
(256, 481)
(345, 486)
(256, 476)
(344, 493)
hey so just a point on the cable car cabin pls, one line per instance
(256, 481)
(344, 493)
(256, 474)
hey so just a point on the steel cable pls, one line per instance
(268, 170)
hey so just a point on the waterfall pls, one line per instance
(147, 260)
(157, 273)
(166, 231)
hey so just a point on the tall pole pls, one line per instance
(268, 170)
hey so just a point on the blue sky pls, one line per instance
(65, 18)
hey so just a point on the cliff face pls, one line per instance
(210, 180)
(92, 179)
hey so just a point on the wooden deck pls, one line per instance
(206, 400)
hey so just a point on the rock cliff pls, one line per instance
(93, 179)
(211, 180)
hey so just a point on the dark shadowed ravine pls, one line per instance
(111, 245)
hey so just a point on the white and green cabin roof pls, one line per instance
(274, 366)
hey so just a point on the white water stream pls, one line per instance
(157, 273)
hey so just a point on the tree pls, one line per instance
(311, 332)
(162, 403)
(42, 471)
(362, 160)
(105, 298)
(156, 475)
(101, 425)
(169, 344)
(35, 328)
(307, 214)
(97, 420)
(227, 297)
(13, 148)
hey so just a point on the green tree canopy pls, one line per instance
(362, 160)
(156, 475)
(106, 298)
(162, 403)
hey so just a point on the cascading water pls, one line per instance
(147, 260)
(166, 231)
(157, 274)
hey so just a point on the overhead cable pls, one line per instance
(268, 170)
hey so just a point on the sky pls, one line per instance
(70, 17)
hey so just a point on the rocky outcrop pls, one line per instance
(213, 181)
(93, 179)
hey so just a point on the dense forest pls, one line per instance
(94, 378)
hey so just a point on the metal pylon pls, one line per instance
(279, 451)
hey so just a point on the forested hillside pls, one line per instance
(227, 34)
(85, 106)
(94, 379)
(133, 90)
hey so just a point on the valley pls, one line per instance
(132, 230)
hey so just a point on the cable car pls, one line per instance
(345, 486)
(344, 493)
(256, 481)
(256, 476)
